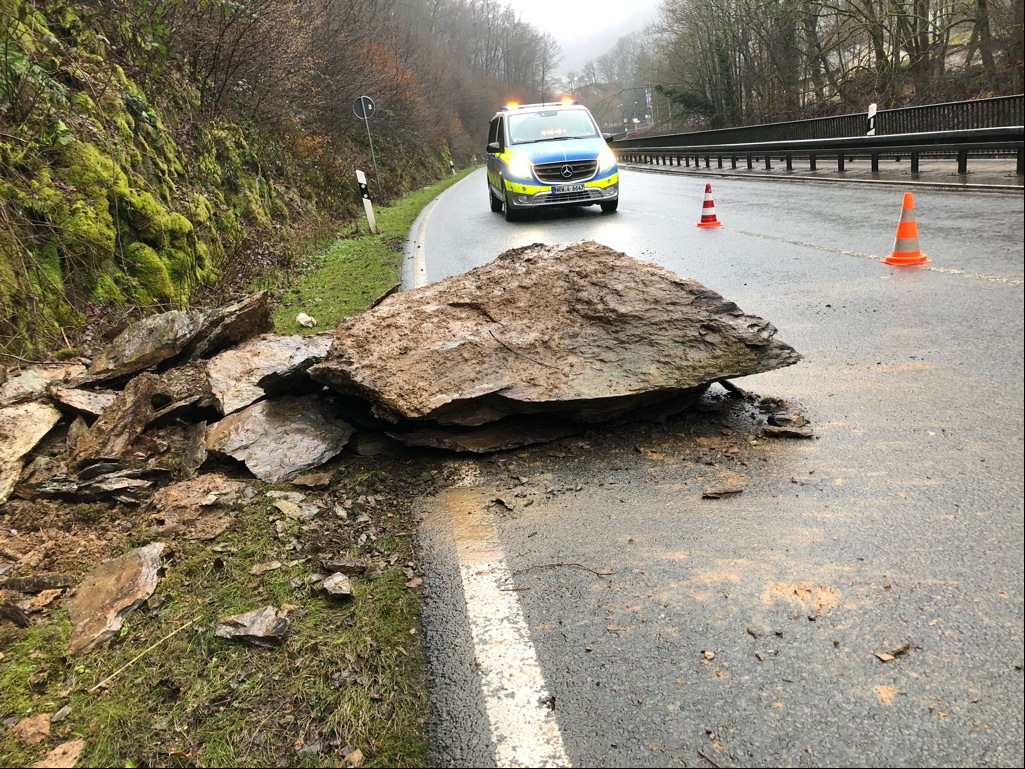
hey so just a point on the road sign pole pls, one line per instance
(364, 108)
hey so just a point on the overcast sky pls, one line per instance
(585, 28)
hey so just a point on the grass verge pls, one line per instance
(343, 688)
(342, 278)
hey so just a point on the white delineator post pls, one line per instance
(364, 192)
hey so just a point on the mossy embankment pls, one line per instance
(345, 687)
(118, 199)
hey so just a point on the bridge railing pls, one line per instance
(953, 116)
(984, 142)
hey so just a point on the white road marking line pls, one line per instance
(523, 723)
(834, 250)
(419, 257)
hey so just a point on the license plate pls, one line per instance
(567, 188)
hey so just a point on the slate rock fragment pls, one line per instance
(112, 590)
(22, 426)
(282, 438)
(266, 626)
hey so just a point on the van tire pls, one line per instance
(511, 214)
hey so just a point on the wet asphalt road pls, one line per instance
(672, 630)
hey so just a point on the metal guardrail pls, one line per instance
(1004, 142)
(952, 116)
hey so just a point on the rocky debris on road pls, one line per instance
(719, 492)
(540, 344)
(783, 423)
(526, 349)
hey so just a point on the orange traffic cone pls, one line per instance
(905, 247)
(708, 210)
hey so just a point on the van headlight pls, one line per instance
(520, 167)
(606, 160)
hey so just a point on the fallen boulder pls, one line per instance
(579, 331)
(239, 376)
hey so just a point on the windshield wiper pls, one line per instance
(552, 139)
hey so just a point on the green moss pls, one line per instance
(107, 291)
(143, 264)
(253, 210)
(89, 235)
(44, 197)
(92, 172)
(83, 103)
(49, 264)
(180, 265)
(9, 291)
(201, 212)
(178, 227)
(146, 216)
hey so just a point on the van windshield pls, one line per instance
(551, 125)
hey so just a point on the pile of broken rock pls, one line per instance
(524, 349)
(528, 348)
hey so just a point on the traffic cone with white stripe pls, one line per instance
(708, 210)
(905, 246)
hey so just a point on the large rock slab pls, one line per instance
(145, 343)
(279, 439)
(233, 324)
(236, 374)
(160, 339)
(578, 330)
(90, 403)
(30, 382)
(114, 433)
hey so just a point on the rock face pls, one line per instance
(580, 331)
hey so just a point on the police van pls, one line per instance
(554, 154)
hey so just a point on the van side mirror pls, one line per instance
(494, 147)
(608, 137)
